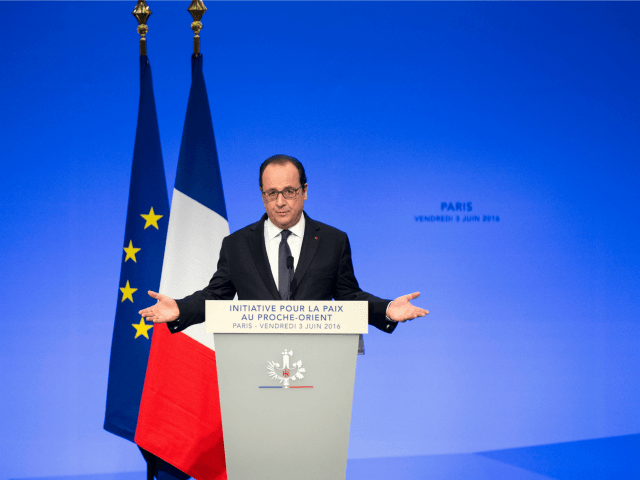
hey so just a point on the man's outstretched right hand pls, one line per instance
(165, 310)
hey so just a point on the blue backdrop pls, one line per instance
(486, 154)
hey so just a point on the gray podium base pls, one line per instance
(293, 433)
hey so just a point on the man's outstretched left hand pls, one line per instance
(401, 310)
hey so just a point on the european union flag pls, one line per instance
(144, 241)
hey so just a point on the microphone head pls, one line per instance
(290, 261)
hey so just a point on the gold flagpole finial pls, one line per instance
(196, 9)
(142, 13)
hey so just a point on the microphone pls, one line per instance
(290, 262)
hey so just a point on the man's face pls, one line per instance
(283, 212)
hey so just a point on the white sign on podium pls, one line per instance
(316, 317)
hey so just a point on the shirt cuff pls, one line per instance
(391, 324)
(387, 316)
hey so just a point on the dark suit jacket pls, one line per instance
(324, 271)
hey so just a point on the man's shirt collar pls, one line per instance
(273, 231)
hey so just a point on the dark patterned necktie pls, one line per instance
(285, 275)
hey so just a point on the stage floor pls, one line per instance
(606, 458)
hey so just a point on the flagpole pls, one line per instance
(142, 13)
(197, 10)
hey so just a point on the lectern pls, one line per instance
(286, 372)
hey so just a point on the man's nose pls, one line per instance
(280, 200)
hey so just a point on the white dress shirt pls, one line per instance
(272, 240)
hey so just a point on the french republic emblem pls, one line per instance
(288, 372)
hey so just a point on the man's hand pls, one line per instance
(401, 310)
(165, 310)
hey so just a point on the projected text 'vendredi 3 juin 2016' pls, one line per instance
(457, 212)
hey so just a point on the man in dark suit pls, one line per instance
(285, 255)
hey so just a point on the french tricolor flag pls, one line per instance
(179, 418)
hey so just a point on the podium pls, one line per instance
(286, 372)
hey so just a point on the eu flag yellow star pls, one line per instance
(151, 219)
(131, 252)
(127, 292)
(142, 328)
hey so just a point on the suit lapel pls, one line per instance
(259, 255)
(310, 244)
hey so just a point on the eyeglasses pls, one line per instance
(287, 193)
